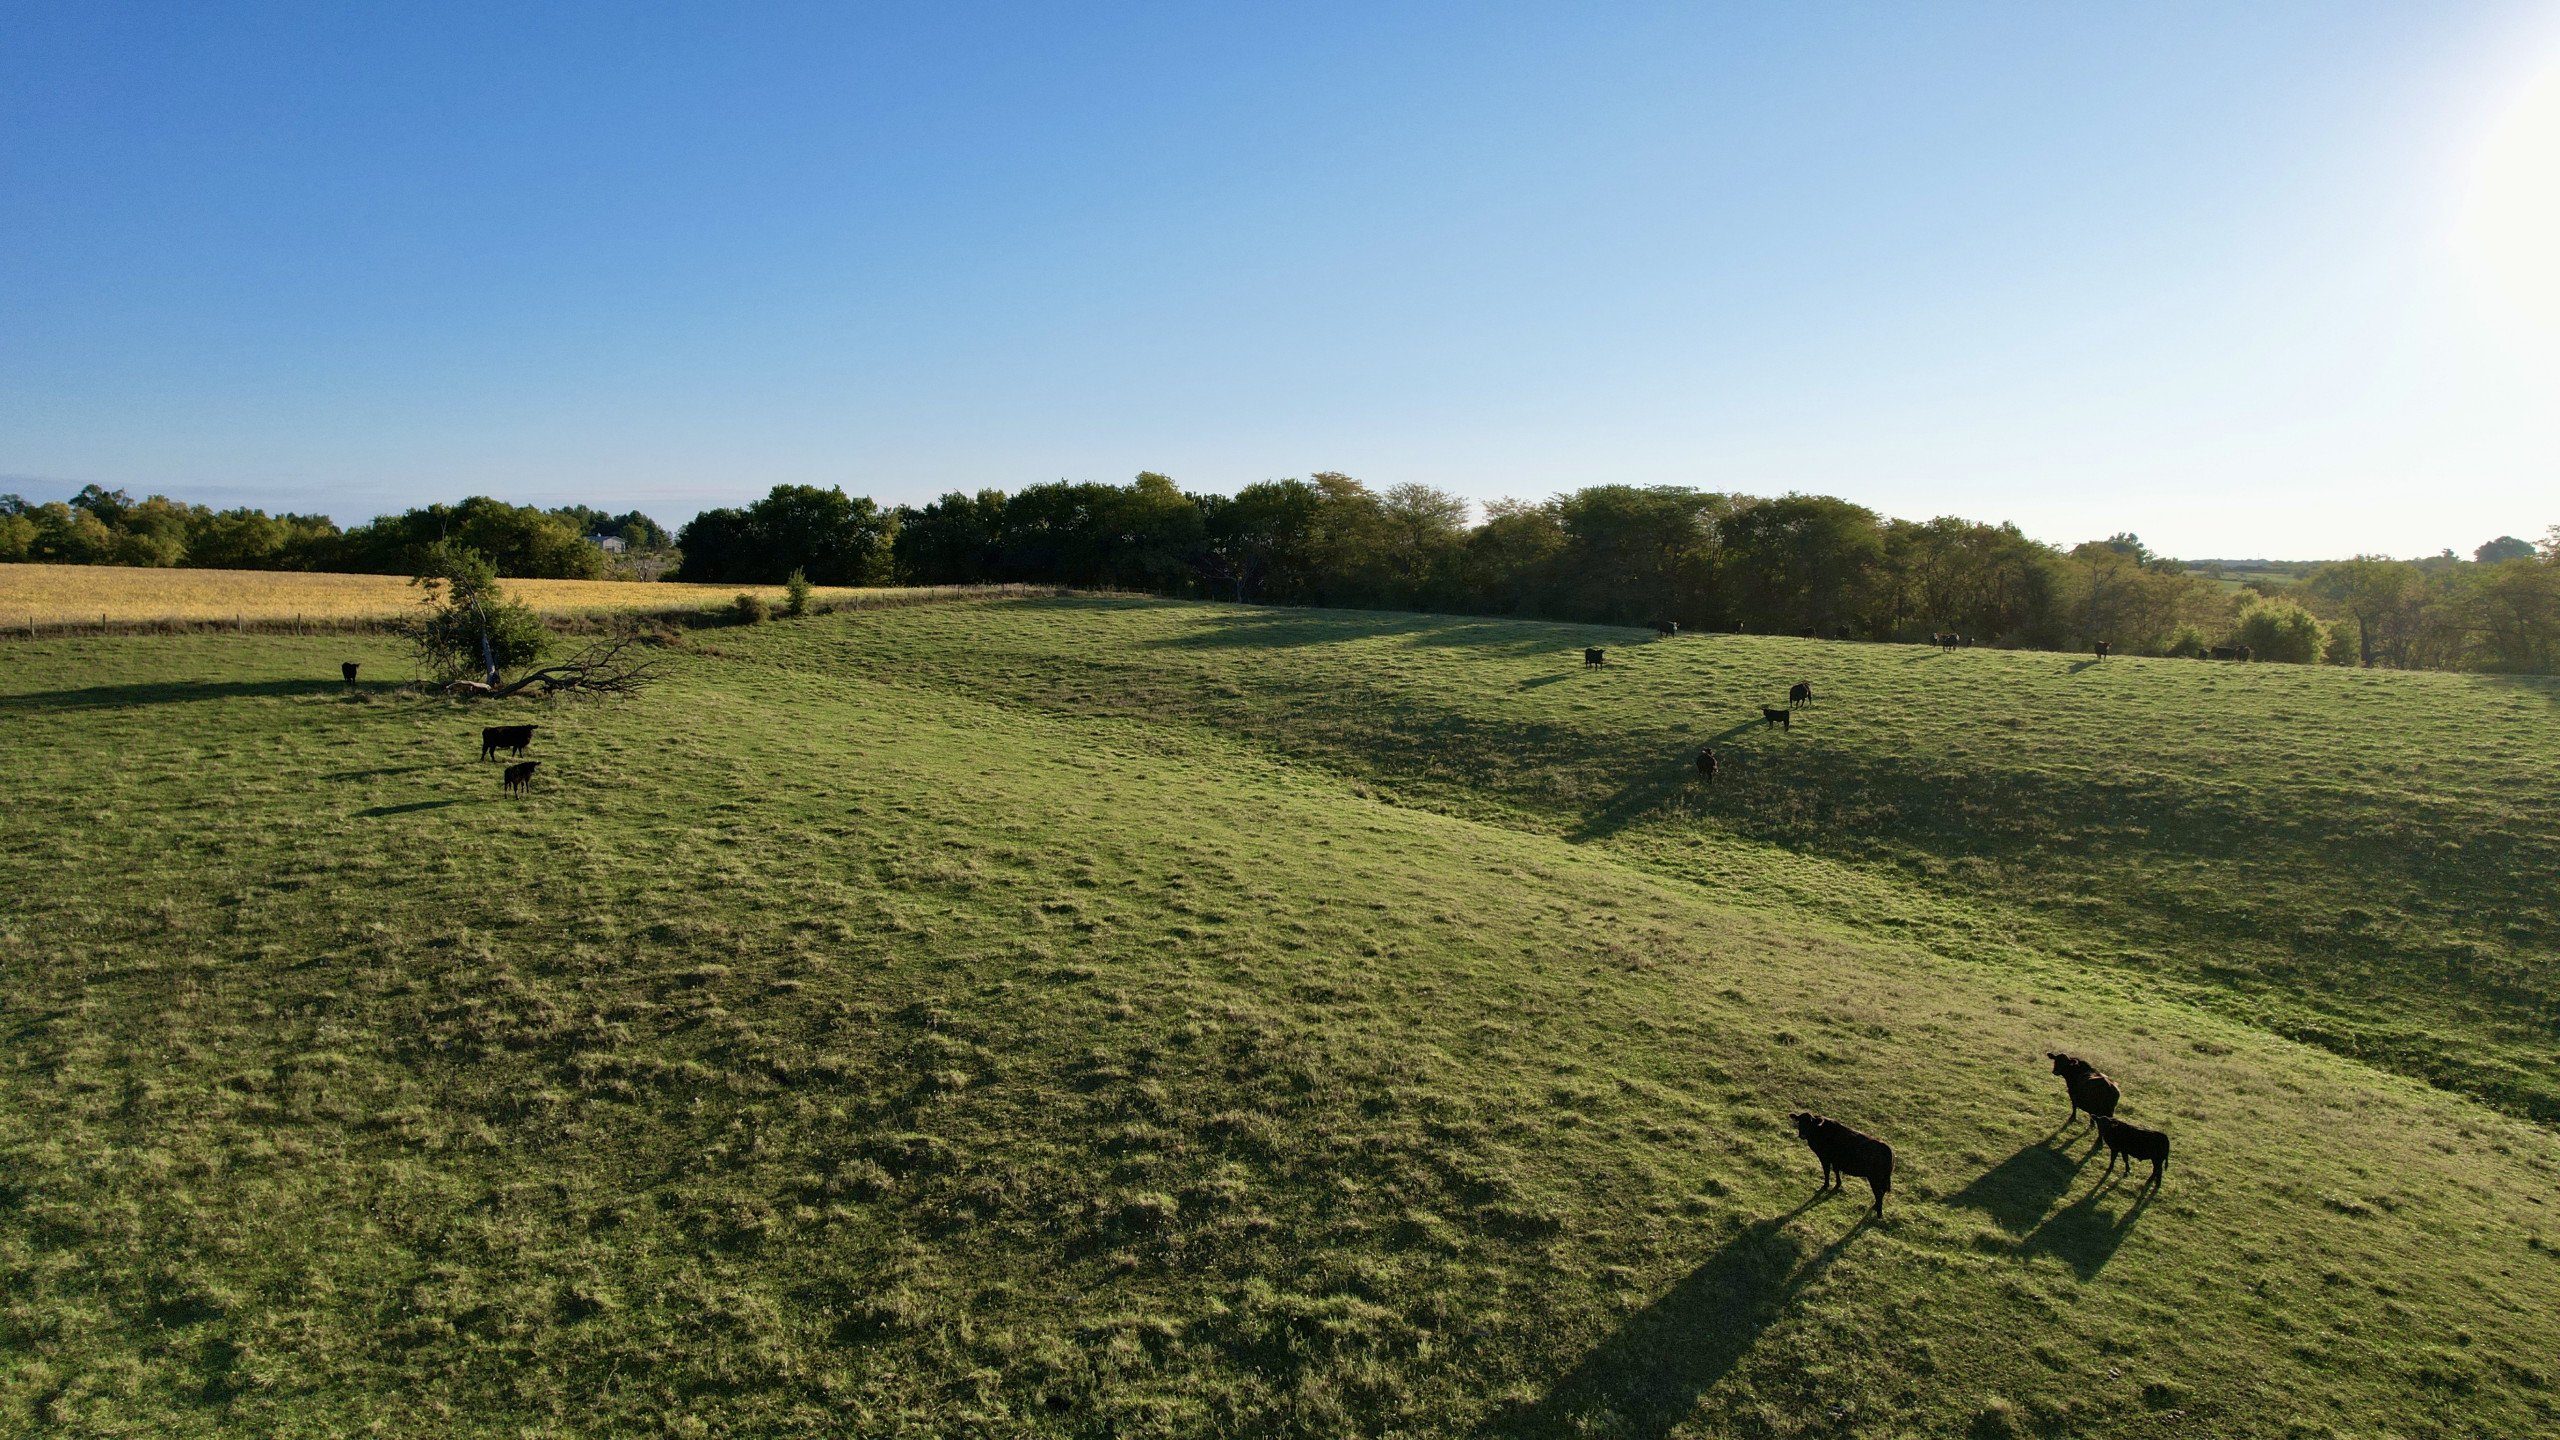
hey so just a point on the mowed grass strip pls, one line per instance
(811, 1055)
(2359, 859)
(83, 594)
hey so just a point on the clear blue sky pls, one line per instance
(2245, 278)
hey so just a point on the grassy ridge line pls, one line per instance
(820, 1057)
(2352, 858)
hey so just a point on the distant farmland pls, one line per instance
(55, 595)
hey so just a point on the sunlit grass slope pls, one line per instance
(812, 1054)
(2369, 861)
(83, 594)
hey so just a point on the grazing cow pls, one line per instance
(520, 776)
(1783, 719)
(2248, 654)
(1945, 640)
(2130, 1143)
(1666, 628)
(1809, 633)
(2225, 652)
(1592, 659)
(1706, 764)
(2103, 647)
(1844, 1151)
(348, 669)
(1801, 693)
(510, 738)
(2090, 1090)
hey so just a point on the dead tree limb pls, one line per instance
(604, 668)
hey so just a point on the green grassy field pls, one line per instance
(1118, 1018)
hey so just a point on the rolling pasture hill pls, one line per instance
(1123, 1018)
(2363, 860)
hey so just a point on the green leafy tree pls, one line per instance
(2282, 631)
(837, 539)
(956, 540)
(2505, 547)
(2381, 595)
(466, 624)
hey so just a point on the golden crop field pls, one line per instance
(52, 595)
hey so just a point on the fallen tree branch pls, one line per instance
(604, 668)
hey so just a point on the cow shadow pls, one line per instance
(2082, 1234)
(413, 807)
(2079, 665)
(1535, 682)
(1634, 803)
(171, 692)
(1646, 1378)
(2019, 1191)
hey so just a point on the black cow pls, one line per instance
(1947, 640)
(2103, 647)
(1666, 628)
(1801, 693)
(2248, 654)
(510, 738)
(1706, 764)
(2130, 1143)
(1809, 633)
(2090, 1090)
(2225, 652)
(1783, 719)
(520, 776)
(1844, 1151)
(1594, 658)
(348, 669)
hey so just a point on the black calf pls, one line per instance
(520, 776)
(1594, 658)
(1706, 764)
(348, 669)
(1801, 693)
(1783, 719)
(2130, 1143)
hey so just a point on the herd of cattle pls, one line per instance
(1849, 1153)
(1596, 657)
(1846, 1153)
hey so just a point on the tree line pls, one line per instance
(1609, 554)
(109, 527)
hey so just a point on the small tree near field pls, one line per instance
(2283, 631)
(466, 625)
(796, 590)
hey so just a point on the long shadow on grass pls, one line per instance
(116, 697)
(1646, 1378)
(2020, 1192)
(1648, 795)
(413, 807)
